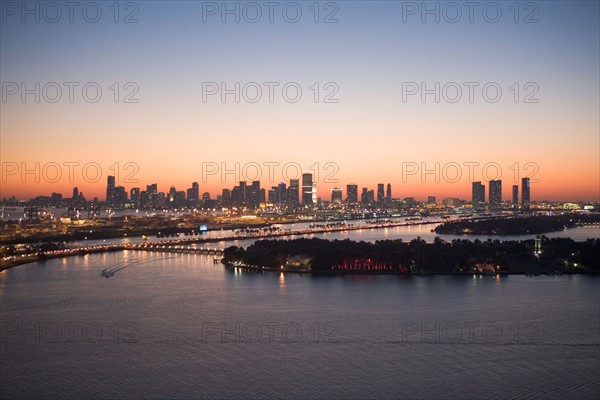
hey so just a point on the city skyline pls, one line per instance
(30, 188)
(253, 195)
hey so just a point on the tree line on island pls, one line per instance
(418, 256)
(536, 224)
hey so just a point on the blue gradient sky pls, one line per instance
(369, 133)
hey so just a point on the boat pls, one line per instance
(144, 237)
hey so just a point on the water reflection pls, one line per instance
(281, 281)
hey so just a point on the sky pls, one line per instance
(426, 96)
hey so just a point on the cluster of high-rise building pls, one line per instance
(367, 196)
(495, 194)
(116, 196)
(283, 196)
(250, 196)
(297, 194)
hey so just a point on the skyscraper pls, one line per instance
(525, 193)
(515, 196)
(281, 194)
(236, 197)
(388, 194)
(243, 193)
(110, 190)
(273, 195)
(172, 193)
(152, 195)
(364, 196)
(367, 197)
(135, 196)
(254, 196)
(294, 192)
(495, 194)
(336, 196)
(75, 198)
(351, 193)
(307, 188)
(193, 195)
(262, 196)
(380, 193)
(120, 196)
(478, 194)
(226, 197)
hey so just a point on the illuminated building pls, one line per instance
(307, 189)
(380, 193)
(110, 190)
(525, 193)
(478, 194)
(495, 194)
(352, 193)
(388, 194)
(336, 196)
(293, 192)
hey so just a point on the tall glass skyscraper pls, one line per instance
(478, 194)
(380, 193)
(110, 190)
(336, 196)
(307, 189)
(293, 192)
(351, 193)
(525, 193)
(495, 194)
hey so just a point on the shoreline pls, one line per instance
(228, 265)
(179, 243)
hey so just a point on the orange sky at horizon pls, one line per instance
(554, 184)
(569, 168)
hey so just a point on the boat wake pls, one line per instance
(108, 272)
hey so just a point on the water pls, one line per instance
(406, 233)
(185, 327)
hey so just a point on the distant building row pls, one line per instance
(247, 195)
(495, 194)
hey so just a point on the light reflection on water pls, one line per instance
(408, 233)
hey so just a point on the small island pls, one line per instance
(522, 225)
(320, 256)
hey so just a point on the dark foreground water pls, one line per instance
(185, 327)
